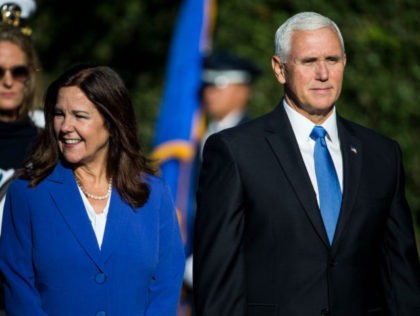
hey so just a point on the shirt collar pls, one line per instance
(302, 126)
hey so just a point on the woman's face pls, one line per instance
(13, 76)
(82, 136)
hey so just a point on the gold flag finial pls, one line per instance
(12, 13)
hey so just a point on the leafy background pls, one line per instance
(133, 36)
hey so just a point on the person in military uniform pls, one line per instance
(226, 90)
(227, 82)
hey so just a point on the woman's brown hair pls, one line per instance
(106, 90)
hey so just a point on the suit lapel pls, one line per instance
(280, 136)
(64, 192)
(351, 149)
(118, 216)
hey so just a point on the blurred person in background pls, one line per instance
(227, 87)
(20, 122)
(88, 229)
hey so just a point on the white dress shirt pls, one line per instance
(98, 221)
(302, 128)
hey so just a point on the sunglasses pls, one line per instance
(19, 73)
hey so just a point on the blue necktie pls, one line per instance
(328, 184)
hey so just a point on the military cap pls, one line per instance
(27, 7)
(220, 69)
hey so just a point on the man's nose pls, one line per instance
(322, 71)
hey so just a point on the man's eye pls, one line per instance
(308, 62)
(333, 60)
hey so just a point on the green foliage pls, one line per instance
(382, 43)
(131, 36)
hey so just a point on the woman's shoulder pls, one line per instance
(155, 182)
(23, 180)
(19, 183)
(18, 187)
(159, 189)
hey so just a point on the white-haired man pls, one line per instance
(301, 212)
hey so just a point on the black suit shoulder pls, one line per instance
(247, 130)
(363, 133)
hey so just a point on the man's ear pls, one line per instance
(279, 69)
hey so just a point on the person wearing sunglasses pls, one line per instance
(20, 122)
(19, 97)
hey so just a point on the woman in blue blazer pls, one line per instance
(87, 228)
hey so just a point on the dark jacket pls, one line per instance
(260, 243)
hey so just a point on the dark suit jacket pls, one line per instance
(195, 177)
(260, 243)
(52, 264)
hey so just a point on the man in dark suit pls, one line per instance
(301, 212)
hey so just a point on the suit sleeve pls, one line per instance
(402, 268)
(165, 289)
(21, 295)
(219, 285)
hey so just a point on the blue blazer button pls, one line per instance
(101, 313)
(100, 278)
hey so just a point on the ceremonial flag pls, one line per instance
(179, 123)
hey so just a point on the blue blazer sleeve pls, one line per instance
(167, 280)
(16, 255)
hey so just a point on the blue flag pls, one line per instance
(179, 124)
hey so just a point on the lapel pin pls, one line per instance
(353, 149)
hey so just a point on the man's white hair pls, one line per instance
(304, 21)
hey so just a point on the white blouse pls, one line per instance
(98, 221)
